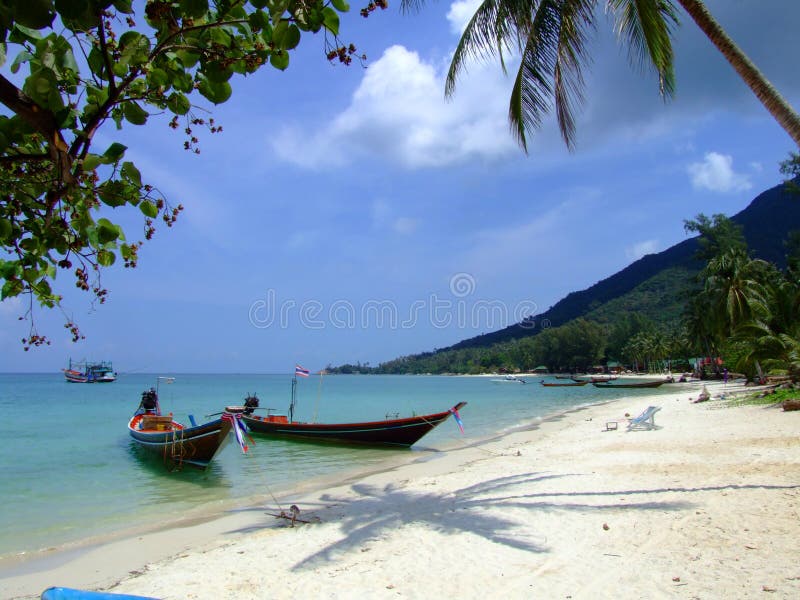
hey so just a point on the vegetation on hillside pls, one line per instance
(742, 310)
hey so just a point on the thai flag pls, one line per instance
(457, 417)
(298, 370)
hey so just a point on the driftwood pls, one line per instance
(292, 516)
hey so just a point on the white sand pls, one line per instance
(705, 506)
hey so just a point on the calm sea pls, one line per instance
(69, 470)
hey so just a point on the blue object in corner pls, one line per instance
(61, 593)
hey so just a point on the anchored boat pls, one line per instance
(90, 372)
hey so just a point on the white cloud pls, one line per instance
(640, 249)
(399, 114)
(716, 173)
(460, 13)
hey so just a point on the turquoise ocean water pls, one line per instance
(69, 470)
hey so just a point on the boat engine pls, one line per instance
(250, 404)
(149, 401)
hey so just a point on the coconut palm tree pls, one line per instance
(550, 37)
(735, 290)
(775, 339)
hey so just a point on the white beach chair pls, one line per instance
(645, 421)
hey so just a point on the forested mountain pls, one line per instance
(766, 222)
(655, 287)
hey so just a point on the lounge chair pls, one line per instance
(646, 420)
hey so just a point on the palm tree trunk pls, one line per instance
(770, 97)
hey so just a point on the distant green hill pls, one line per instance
(655, 286)
(766, 222)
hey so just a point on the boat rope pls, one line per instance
(460, 441)
(177, 450)
(319, 393)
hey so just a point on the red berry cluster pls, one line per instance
(374, 4)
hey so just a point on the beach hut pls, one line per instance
(615, 367)
(541, 370)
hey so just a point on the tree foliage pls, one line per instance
(72, 66)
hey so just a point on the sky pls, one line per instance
(353, 214)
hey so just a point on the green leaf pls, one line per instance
(96, 63)
(36, 14)
(340, 5)
(331, 20)
(77, 15)
(214, 72)
(215, 92)
(91, 162)
(157, 77)
(134, 113)
(178, 103)
(292, 38)
(114, 153)
(113, 193)
(106, 231)
(188, 59)
(5, 229)
(13, 287)
(21, 59)
(148, 209)
(194, 8)
(123, 6)
(21, 34)
(131, 173)
(135, 48)
(258, 20)
(280, 60)
(105, 258)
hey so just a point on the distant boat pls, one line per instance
(178, 445)
(509, 379)
(597, 378)
(90, 372)
(643, 384)
(572, 384)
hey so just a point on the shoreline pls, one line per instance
(528, 505)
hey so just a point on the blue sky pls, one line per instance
(352, 214)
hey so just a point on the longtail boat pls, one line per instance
(177, 444)
(643, 384)
(389, 432)
(572, 384)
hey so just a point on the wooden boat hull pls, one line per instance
(392, 432)
(178, 445)
(647, 384)
(73, 376)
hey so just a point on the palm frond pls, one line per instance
(550, 69)
(489, 31)
(647, 26)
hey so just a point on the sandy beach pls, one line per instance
(707, 505)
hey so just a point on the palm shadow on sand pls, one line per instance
(376, 512)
